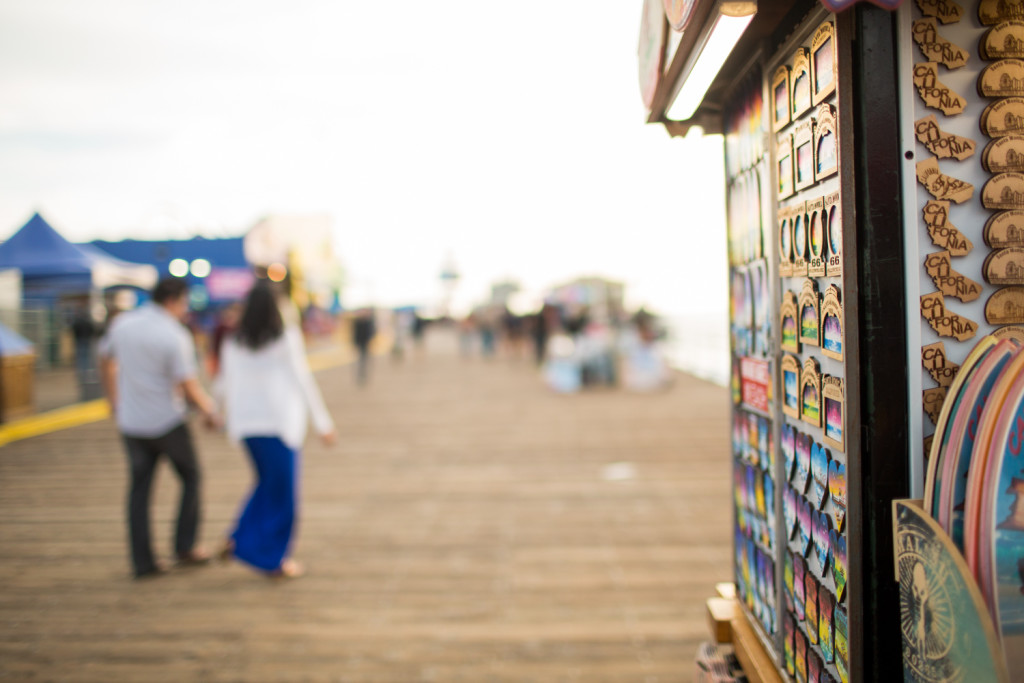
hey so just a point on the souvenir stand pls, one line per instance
(874, 159)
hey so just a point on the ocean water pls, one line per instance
(699, 344)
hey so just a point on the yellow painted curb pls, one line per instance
(55, 420)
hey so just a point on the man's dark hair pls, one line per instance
(261, 321)
(169, 289)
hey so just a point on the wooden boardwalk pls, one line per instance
(470, 526)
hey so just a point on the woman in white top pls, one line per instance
(269, 393)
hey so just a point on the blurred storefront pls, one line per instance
(855, 135)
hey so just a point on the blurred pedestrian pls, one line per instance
(363, 331)
(227, 323)
(269, 394)
(149, 372)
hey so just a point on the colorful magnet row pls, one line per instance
(812, 618)
(745, 128)
(755, 584)
(808, 78)
(812, 320)
(752, 440)
(808, 155)
(750, 314)
(811, 237)
(806, 394)
(743, 215)
(754, 496)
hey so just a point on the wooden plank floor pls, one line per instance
(466, 528)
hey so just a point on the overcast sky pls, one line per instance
(510, 136)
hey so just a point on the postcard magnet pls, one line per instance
(832, 323)
(810, 392)
(803, 462)
(826, 607)
(804, 528)
(810, 316)
(789, 515)
(790, 366)
(837, 492)
(800, 252)
(803, 155)
(811, 606)
(826, 142)
(799, 571)
(788, 323)
(842, 644)
(784, 219)
(785, 165)
(800, 653)
(800, 77)
(838, 542)
(834, 404)
(781, 103)
(819, 474)
(823, 61)
(789, 631)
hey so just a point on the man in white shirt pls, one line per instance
(149, 371)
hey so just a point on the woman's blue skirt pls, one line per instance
(264, 531)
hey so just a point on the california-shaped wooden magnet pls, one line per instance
(826, 142)
(935, 48)
(808, 307)
(834, 404)
(934, 360)
(834, 234)
(1004, 191)
(932, 400)
(1003, 41)
(790, 385)
(944, 322)
(1006, 306)
(800, 77)
(1003, 117)
(810, 392)
(991, 12)
(934, 93)
(781, 101)
(832, 323)
(803, 154)
(1005, 229)
(789, 323)
(823, 61)
(784, 219)
(1004, 154)
(816, 238)
(785, 169)
(942, 232)
(946, 11)
(940, 143)
(1005, 266)
(940, 185)
(948, 281)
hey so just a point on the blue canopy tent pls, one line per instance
(52, 267)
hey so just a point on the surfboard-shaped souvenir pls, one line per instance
(958, 461)
(933, 478)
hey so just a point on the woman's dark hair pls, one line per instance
(261, 321)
